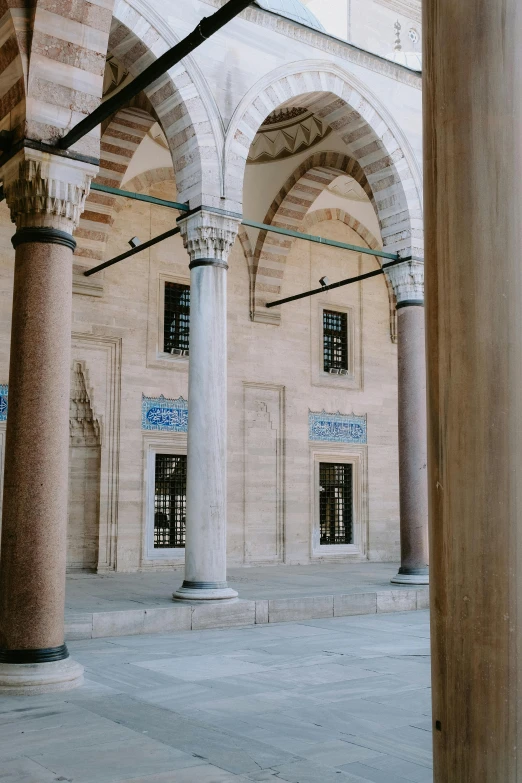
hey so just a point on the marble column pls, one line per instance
(46, 195)
(208, 238)
(408, 284)
(473, 218)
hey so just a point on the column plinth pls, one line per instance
(408, 284)
(208, 238)
(46, 195)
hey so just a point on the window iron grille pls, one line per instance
(170, 501)
(335, 342)
(336, 503)
(176, 324)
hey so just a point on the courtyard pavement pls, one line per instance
(340, 700)
(118, 604)
(118, 591)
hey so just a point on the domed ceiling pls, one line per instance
(292, 9)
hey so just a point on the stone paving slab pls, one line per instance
(105, 605)
(332, 700)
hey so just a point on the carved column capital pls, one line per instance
(208, 237)
(46, 191)
(407, 280)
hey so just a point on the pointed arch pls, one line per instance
(288, 210)
(183, 114)
(371, 137)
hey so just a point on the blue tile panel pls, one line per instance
(4, 391)
(160, 414)
(337, 428)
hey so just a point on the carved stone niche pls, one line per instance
(84, 475)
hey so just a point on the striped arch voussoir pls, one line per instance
(289, 210)
(180, 108)
(119, 142)
(369, 137)
(13, 64)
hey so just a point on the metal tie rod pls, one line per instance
(129, 253)
(252, 223)
(205, 29)
(340, 284)
(286, 232)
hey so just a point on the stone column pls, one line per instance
(46, 195)
(473, 219)
(208, 238)
(408, 284)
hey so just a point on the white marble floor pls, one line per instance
(342, 700)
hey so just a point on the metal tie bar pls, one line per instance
(129, 253)
(140, 197)
(205, 29)
(340, 284)
(311, 238)
(251, 223)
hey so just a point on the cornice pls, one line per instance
(409, 8)
(327, 43)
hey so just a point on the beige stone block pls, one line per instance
(423, 598)
(125, 623)
(283, 610)
(75, 631)
(261, 612)
(167, 619)
(397, 601)
(224, 615)
(358, 603)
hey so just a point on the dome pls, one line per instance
(292, 9)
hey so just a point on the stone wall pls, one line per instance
(275, 380)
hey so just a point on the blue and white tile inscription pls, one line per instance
(4, 392)
(161, 414)
(338, 428)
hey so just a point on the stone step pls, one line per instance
(181, 616)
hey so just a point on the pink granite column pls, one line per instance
(33, 655)
(408, 283)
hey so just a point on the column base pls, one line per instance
(412, 576)
(19, 679)
(205, 591)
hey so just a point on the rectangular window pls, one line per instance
(170, 501)
(176, 321)
(336, 503)
(335, 340)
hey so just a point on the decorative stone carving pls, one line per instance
(407, 281)
(286, 132)
(159, 414)
(44, 190)
(337, 428)
(84, 427)
(208, 235)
